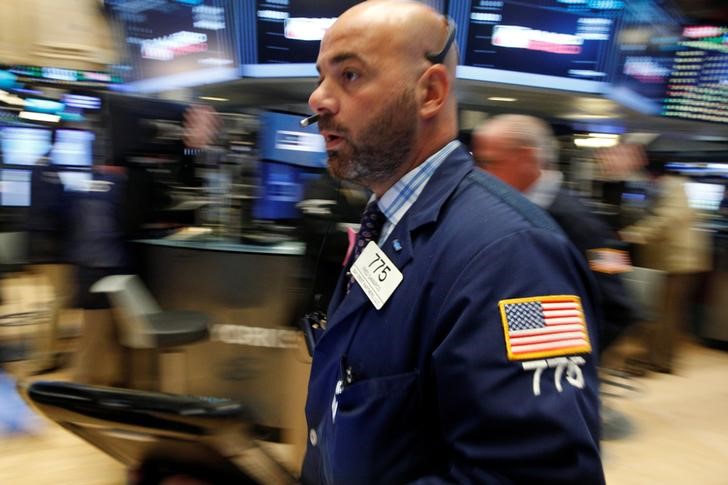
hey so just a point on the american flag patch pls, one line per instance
(544, 326)
(607, 260)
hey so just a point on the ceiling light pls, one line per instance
(505, 100)
(595, 142)
(580, 116)
(215, 61)
(213, 98)
(603, 135)
(30, 115)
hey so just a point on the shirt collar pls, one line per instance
(396, 201)
(543, 191)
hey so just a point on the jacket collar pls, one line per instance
(398, 246)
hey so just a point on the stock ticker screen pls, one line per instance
(697, 88)
(646, 46)
(556, 38)
(290, 31)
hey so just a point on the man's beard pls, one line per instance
(382, 148)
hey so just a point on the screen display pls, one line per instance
(73, 147)
(280, 38)
(281, 188)
(645, 46)
(697, 84)
(184, 39)
(290, 31)
(548, 38)
(24, 146)
(81, 101)
(704, 196)
(14, 188)
(290, 155)
(281, 139)
(700, 169)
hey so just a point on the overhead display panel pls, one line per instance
(290, 32)
(176, 43)
(646, 45)
(698, 84)
(560, 44)
(281, 38)
(65, 76)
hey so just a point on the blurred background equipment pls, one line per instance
(75, 35)
(159, 436)
(174, 44)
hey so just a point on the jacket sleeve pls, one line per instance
(587, 232)
(508, 420)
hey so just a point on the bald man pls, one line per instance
(458, 343)
(522, 151)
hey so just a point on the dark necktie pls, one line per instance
(370, 229)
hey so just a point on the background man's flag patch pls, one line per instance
(544, 326)
(607, 260)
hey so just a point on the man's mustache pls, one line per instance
(328, 124)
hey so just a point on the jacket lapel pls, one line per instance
(399, 245)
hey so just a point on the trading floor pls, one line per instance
(678, 428)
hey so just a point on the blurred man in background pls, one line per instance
(328, 209)
(667, 239)
(98, 248)
(522, 151)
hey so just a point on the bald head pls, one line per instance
(410, 28)
(380, 97)
(514, 148)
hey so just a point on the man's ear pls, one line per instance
(432, 89)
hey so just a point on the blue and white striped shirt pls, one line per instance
(396, 201)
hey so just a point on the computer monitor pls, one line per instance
(705, 196)
(73, 148)
(24, 145)
(281, 188)
(290, 157)
(14, 188)
(282, 139)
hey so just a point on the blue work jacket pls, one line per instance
(423, 390)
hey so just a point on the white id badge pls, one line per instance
(376, 274)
